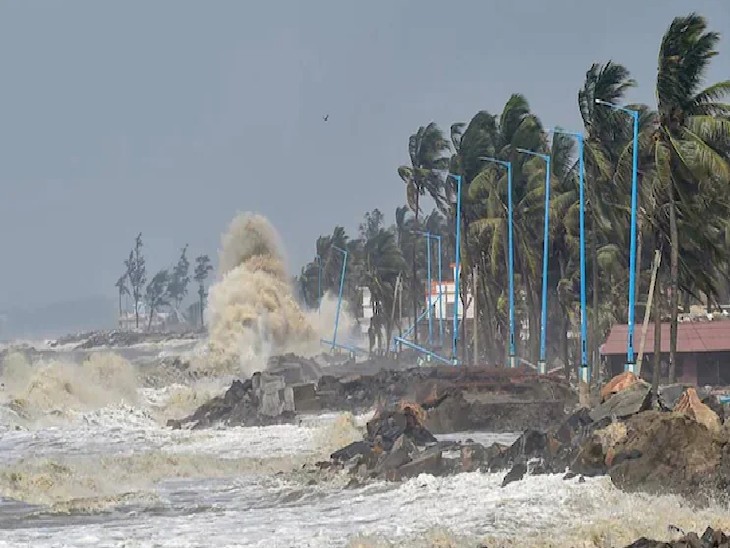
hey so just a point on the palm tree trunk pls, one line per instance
(414, 283)
(464, 336)
(656, 376)
(594, 283)
(673, 284)
(475, 321)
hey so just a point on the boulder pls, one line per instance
(689, 404)
(669, 452)
(669, 394)
(388, 426)
(426, 462)
(516, 473)
(618, 384)
(709, 539)
(629, 401)
(357, 448)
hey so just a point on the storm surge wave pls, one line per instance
(253, 312)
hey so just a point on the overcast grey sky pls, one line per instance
(167, 117)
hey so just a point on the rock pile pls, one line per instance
(684, 451)
(709, 539)
(396, 446)
(261, 400)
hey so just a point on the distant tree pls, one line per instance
(121, 286)
(179, 279)
(136, 275)
(202, 269)
(372, 224)
(157, 294)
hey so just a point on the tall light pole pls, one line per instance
(583, 370)
(511, 260)
(455, 337)
(436, 237)
(428, 282)
(630, 361)
(542, 361)
(441, 293)
(339, 298)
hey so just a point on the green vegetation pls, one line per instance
(168, 287)
(684, 208)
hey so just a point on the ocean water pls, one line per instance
(111, 474)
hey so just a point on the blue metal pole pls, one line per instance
(583, 373)
(441, 297)
(430, 313)
(339, 298)
(512, 353)
(457, 270)
(583, 370)
(630, 363)
(511, 261)
(542, 363)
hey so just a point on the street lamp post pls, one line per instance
(630, 361)
(583, 371)
(542, 361)
(436, 237)
(455, 336)
(428, 282)
(339, 298)
(441, 294)
(510, 243)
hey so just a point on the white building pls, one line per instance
(128, 322)
(445, 308)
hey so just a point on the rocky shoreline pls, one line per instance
(454, 399)
(683, 450)
(709, 539)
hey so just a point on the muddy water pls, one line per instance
(108, 473)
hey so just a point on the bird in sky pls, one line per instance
(326, 117)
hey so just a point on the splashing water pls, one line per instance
(33, 390)
(252, 309)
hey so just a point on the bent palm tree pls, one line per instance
(426, 149)
(691, 139)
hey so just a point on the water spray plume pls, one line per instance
(253, 313)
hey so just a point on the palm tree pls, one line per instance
(426, 149)
(691, 138)
(517, 127)
(383, 264)
(609, 83)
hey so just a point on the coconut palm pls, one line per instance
(426, 149)
(516, 128)
(691, 140)
(383, 264)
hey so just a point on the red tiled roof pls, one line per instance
(710, 336)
